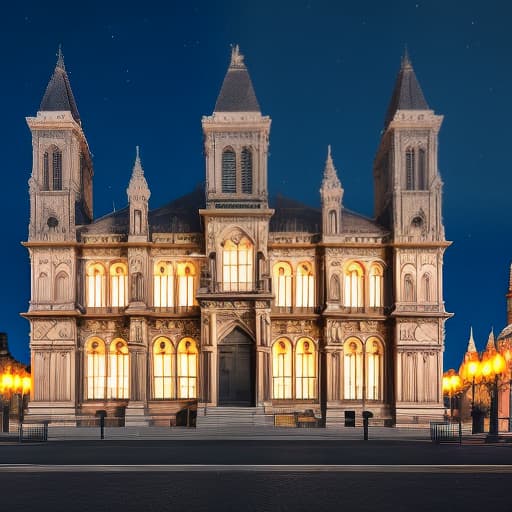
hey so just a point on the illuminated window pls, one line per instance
(374, 354)
(163, 285)
(118, 285)
(305, 286)
(95, 277)
(305, 370)
(282, 369)
(352, 370)
(354, 286)
(186, 277)
(95, 369)
(187, 368)
(163, 374)
(228, 171)
(376, 286)
(237, 265)
(246, 171)
(118, 370)
(282, 275)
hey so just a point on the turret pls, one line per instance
(138, 197)
(331, 194)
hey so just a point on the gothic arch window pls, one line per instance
(376, 280)
(163, 284)
(408, 288)
(333, 222)
(237, 264)
(305, 286)
(305, 370)
(43, 287)
(163, 371)
(118, 370)
(282, 276)
(422, 169)
(228, 171)
(52, 169)
(95, 369)
(118, 285)
(95, 277)
(186, 278)
(374, 368)
(354, 285)
(410, 169)
(61, 287)
(187, 368)
(426, 287)
(353, 369)
(282, 369)
(334, 287)
(246, 160)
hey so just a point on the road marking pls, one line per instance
(283, 468)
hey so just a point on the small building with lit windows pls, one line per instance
(224, 299)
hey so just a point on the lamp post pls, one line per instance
(508, 360)
(493, 366)
(451, 385)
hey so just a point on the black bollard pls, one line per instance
(366, 416)
(101, 415)
(4, 419)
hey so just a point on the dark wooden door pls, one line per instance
(236, 370)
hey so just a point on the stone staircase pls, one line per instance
(232, 417)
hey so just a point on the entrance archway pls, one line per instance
(236, 360)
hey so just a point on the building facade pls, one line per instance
(225, 299)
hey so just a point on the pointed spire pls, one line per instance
(237, 93)
(58, 95)
(407, 94)
(471, 342)
(331, 179)
(491, 344)
(137, 166)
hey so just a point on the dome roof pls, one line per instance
(506, 333)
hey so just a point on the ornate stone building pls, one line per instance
(223, 298)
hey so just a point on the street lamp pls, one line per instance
(493, 366)
(470, 372)
(451, 385)
(508, 359)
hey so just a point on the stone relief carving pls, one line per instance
(418, 331)
(306, 327)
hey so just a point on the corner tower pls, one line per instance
(331, 194)
(60, 186)
(408, 191)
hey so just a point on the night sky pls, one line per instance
(324, 71)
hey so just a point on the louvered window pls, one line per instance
(246, 171)
(422, 170)
(228, 171)
(57, 170)
(409, 169)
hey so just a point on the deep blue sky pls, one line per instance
(323, 71)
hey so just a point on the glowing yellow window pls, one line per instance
(186, 278)
(354, 286)
(305, 370)
(95, 369)
(95, 277)
(305, 286)
(237, 265)
(282, 276)
(376, 286)
(163, 284)
(353, 370)
(282, 369)
(374, 354)
(163, 374)
(118, 370)
(118, 285)
(187, 368)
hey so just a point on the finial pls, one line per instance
(237, 59)
(491, 345)
(329, 152)
(471, 342)
(331, 179)
(406, 61)
(137, 166)
(60, 58)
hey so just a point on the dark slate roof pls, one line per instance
(407, 94)
(291, 215)
(237, 93)
(58, 95)
(178, 216)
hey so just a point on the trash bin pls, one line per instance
(350, 418)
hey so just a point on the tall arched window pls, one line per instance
(237, 265)
(46, 171)
(410, 171)
(376, 276)
(57, 170)
(61, 287)
(282, 369)
(282, 275)
(163, 372)
(353, 369)
(408, 288)
(426, 287)
(246, 171)
(422, 169)
(95, 285)
(118, 285)
(187, 368)
(95, 369)
(354, 286)
(186, 277)
(163, 285)
(305, 286)
(305, 370)
(333, 222)
(43, 287)
(52, 156)
(374, 359)
(118, 370)
(228, 171)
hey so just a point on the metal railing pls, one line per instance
(33, 432)
(446, 432)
